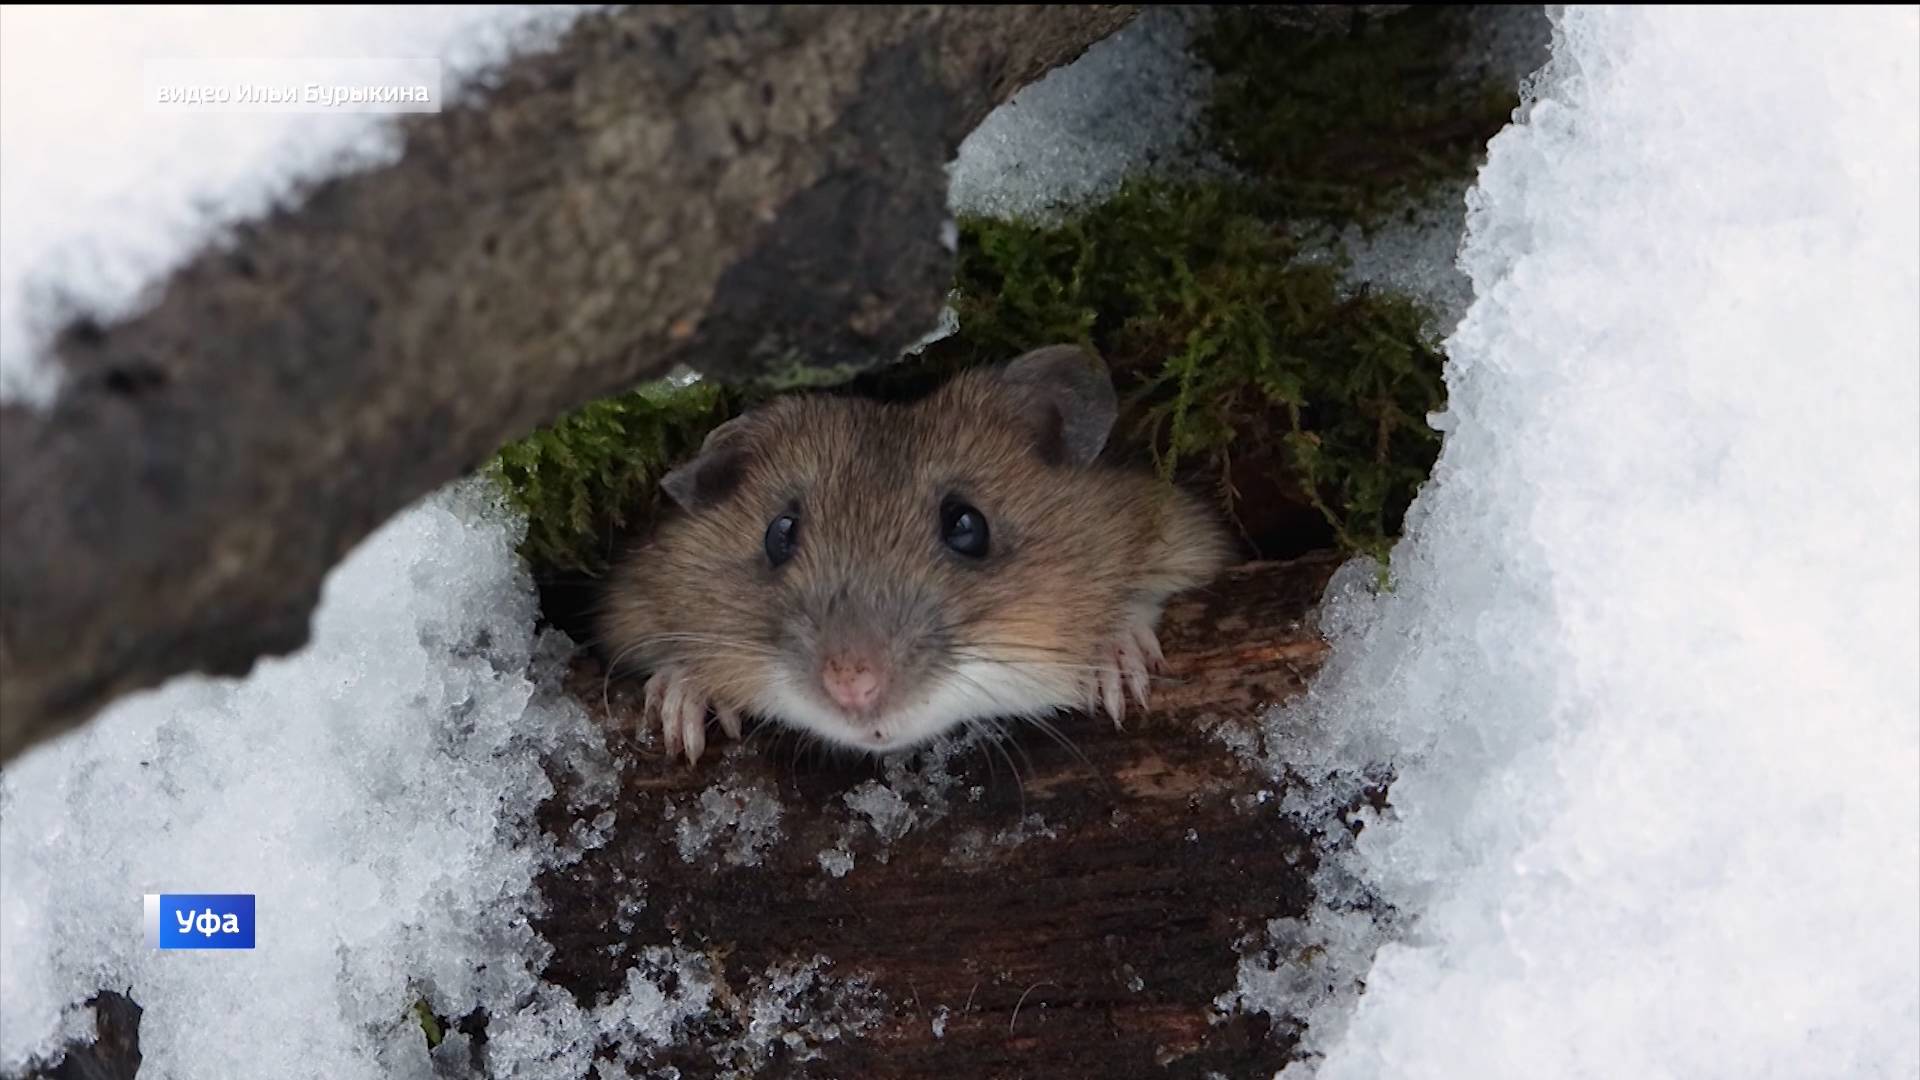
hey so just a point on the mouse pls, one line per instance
(880, 574)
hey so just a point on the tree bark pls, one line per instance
(1094, 947)
(743, 190)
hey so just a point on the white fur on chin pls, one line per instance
(972, 691)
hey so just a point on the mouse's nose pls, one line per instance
(852, 681)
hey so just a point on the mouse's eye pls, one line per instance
(964, 529)
(782, 535)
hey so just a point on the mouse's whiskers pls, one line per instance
(735, 646)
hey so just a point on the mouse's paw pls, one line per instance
(679, 706)
(1124, 668)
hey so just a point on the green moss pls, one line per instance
(1232, 356)
(1243, 368)
(797, 373)
(1241, 364)
(588, 476)
(1344, 125)
(430, 1025)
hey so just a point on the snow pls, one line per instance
(915, 789)
(836, 861)
(797, 1008)
(1075, 135)
(748, 815)
(1413, 253)
(553, 1038)
(1413, 250)
(791, 1010)
(886, 810)
(1647, 671)
(974, 847)
(375, 791)
(102, 196)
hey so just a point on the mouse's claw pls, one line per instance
(693, 730)
(1149, 646)
(1133, 664)
(650, 708)
(680, 709)
(1126, 670)
(729, 721)
(1110, 697)
(672, 698)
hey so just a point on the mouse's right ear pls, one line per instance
(1068, 399)
(714, 472)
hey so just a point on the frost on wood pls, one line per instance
(789, 1012)
(1645, 677)
(746, 816)
(800, 1007)
(914, 791)
(974, 846)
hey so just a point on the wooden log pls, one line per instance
(1078, 921)
(1094, 946)
(743, 190)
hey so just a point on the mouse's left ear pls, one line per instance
(1067, 397)
(715, 471)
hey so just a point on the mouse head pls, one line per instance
(879, 574)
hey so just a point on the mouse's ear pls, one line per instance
(1067, 397)
(712, 473)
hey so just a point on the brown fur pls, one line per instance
(1076, 550)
